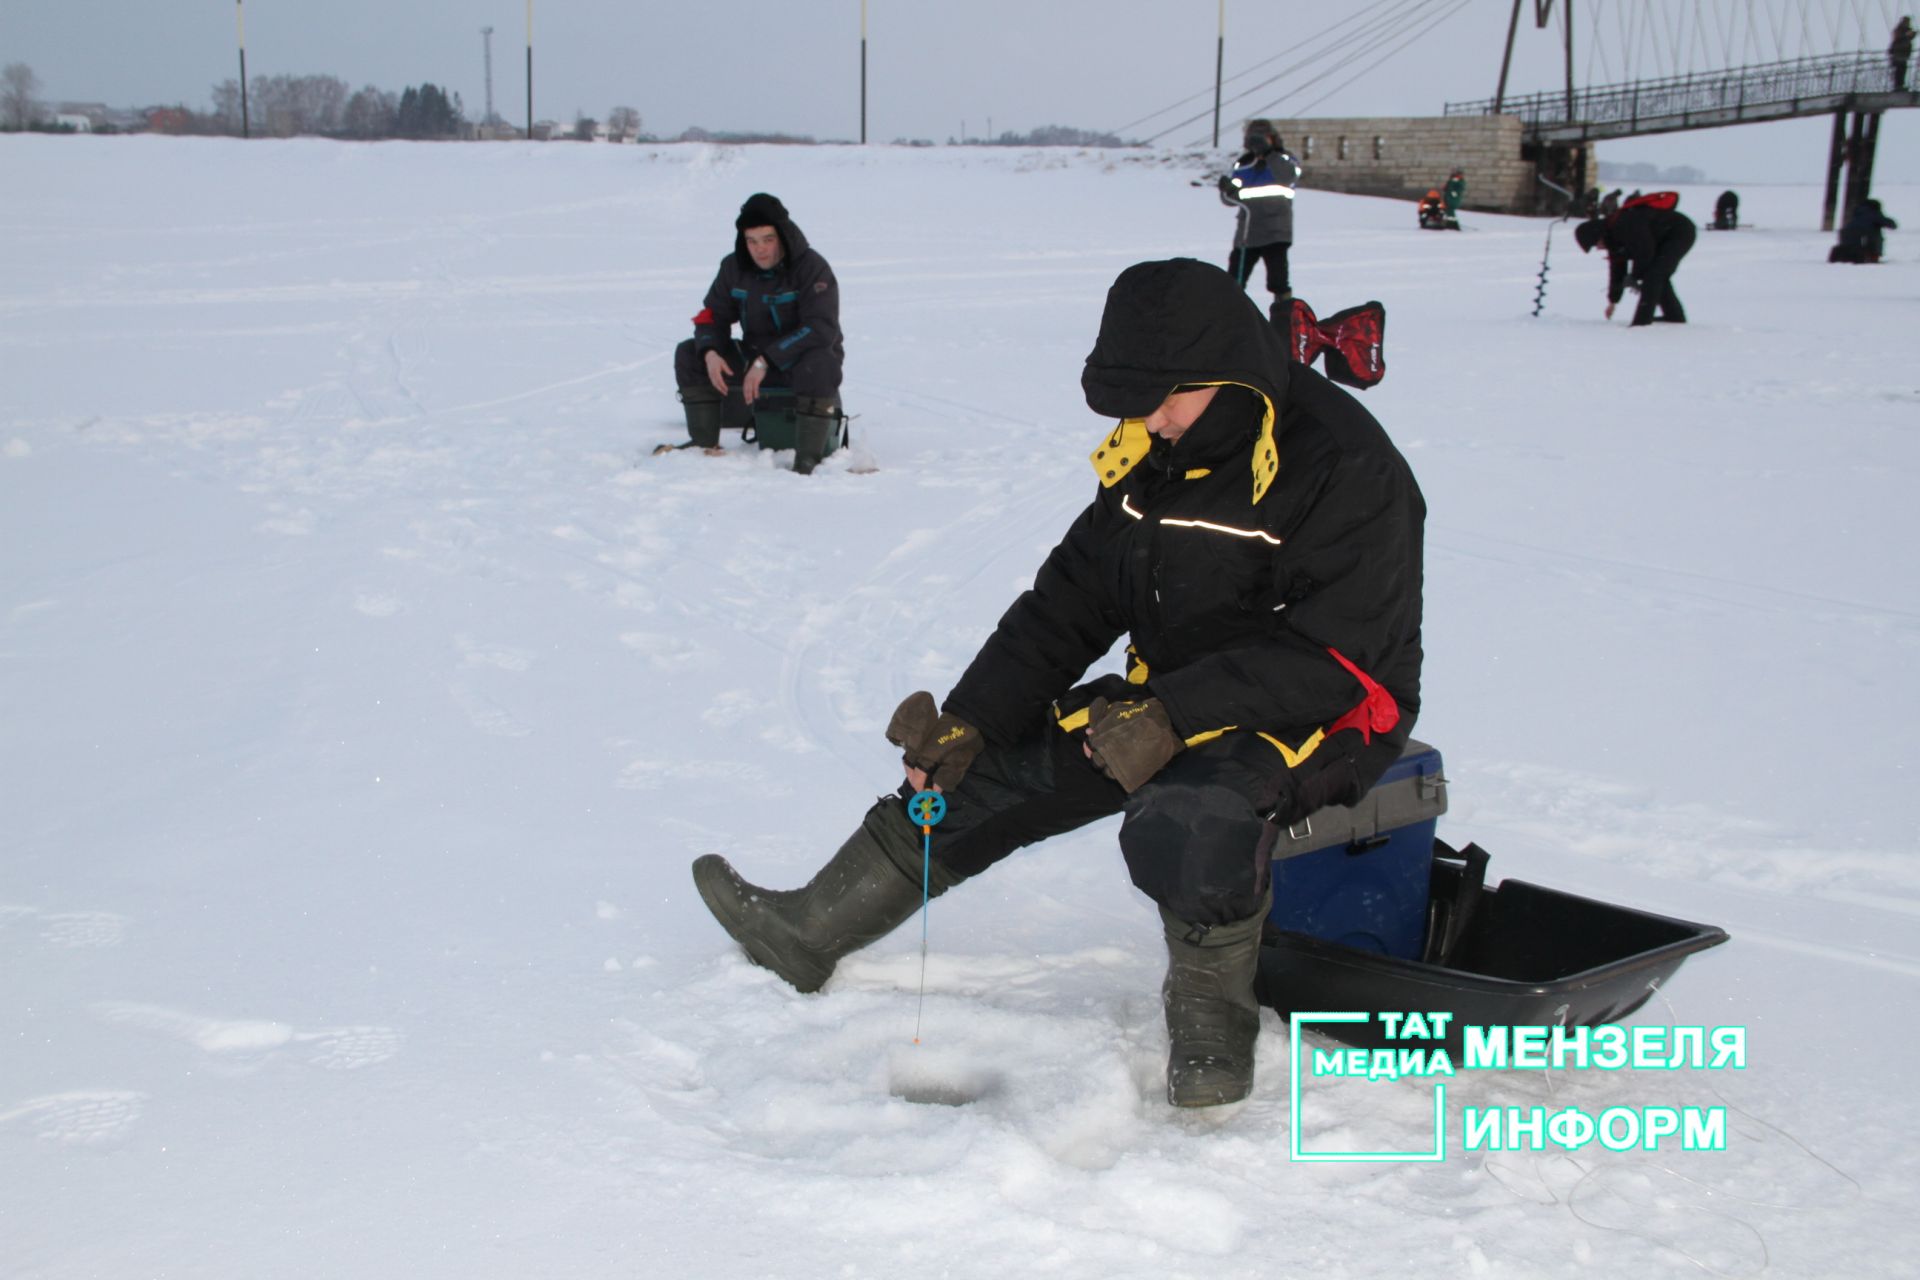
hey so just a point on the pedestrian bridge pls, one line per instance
(1859, 82)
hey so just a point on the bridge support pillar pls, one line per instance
(1854, 145)
(1836, 160)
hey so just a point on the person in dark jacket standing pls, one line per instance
(1456, 191)
(1261, 188)
(1258, 537)
(782, 294)
(1900, 52)
(1645, 242)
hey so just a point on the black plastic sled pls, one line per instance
(1516, 954)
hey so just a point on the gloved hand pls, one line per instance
(1131, 741)
(939, 744)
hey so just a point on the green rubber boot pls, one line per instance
(1213, 1018)
(865, 891)
(814, 425)
(705, 408)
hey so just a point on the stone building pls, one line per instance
(1405, 157)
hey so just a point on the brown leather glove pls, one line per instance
(1131, 741)
(933, 741)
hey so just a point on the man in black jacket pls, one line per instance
(782, 294)
(1645, 242)
(1258, 537)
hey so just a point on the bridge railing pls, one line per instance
(1698, 93)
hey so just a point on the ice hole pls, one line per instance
(936, 1079)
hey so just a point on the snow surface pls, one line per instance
(367, 691)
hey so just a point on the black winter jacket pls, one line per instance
(1267, 566)
(1644, 242)
(783, 313)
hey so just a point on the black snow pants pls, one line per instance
(1240, 264)
(1190, 836)
(1656, 282)
(815, 374)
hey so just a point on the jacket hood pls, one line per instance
(1178, 323)
(763, 210)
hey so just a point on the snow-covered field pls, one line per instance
(366, 691)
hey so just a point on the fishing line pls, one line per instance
(926, 809)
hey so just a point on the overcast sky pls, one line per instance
(936, 69)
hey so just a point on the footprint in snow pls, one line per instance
(73, 930)
(252, 1040)
(78, 929)
(79, 1117)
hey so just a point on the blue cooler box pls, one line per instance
(1359, 875)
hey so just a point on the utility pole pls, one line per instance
(1219, 62)
(240, 27)
(863, 72)
(486, 42)
(1566, 15)
(529, 70)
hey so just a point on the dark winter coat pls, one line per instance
(1261, 187)
(1645, 243)
(784, 313)
(1267, 566)
(1863, 228)
(1456, 192)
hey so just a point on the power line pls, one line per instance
(1370, 67)
(1253, 67)
(1379, 24)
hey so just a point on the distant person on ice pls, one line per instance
(1261, 188)
(1645, 242)
(1456, 191)
(1726, 211)
(1862, 237)
(782, 294)
(1258, 537)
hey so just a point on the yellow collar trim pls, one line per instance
(1121, 452)
(1127, 444)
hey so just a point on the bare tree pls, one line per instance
(583, 127)
(623, 122)
(370, 113)
(290, 105)
(226, 104)
(18, 84)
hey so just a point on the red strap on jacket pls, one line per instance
(1375, 713)
(705, 316)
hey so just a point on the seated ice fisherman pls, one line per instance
(1257, 536)
(782, 294)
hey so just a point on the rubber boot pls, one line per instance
(704, 407)
(814, 423)
(1280, 312)
(865, 891)
(1213, 1018)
